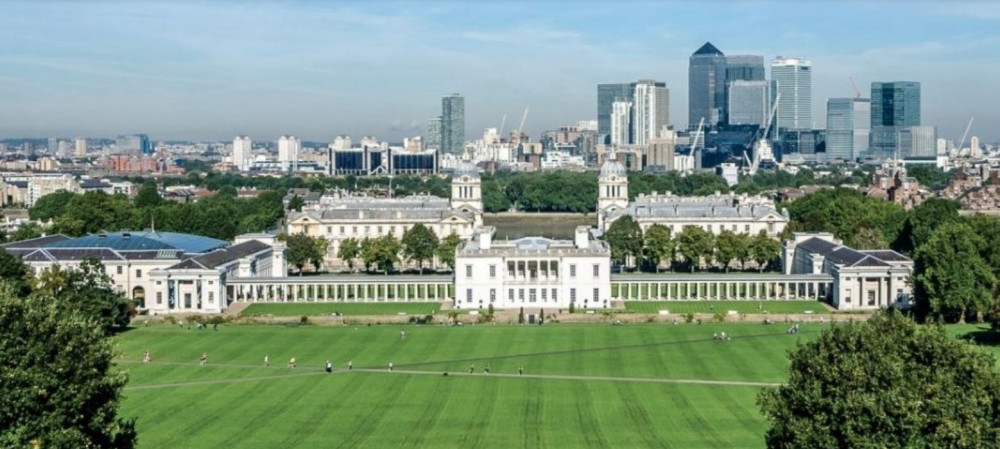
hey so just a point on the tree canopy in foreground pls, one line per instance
(60, 388)
(885, 383)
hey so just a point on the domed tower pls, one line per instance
(467, 190)
(612, 194)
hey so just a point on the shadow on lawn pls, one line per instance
(982, 336)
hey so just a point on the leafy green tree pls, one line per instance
(367, 252)
(923, 220)
(625, 239)
(743, 253)
(88, 289)
(382, 252)
(50, 206)
(494, 198)
(15, 272)
(30, 230)
(728, 247)
(296, 203)
(695, 244)
(419, 244)
(885, 383)
(302, 250)
(868, 238)
(349, 250)
(148, 195)
(446, 250)
(61, 389)
(659, 246)
(842, 211)
(951, 279)
(764, 249)
(988, 228)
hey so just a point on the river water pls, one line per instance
(554, 226)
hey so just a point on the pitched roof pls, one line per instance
(143, 241)
(222, 256)
(35, 242)
(840, 254)
(708, 49)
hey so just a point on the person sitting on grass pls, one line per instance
(291, 363)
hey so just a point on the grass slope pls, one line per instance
(237, 402)
(314, 309)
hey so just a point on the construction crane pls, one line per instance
(966, 134)
(857, 93)
(503, 121)
(762, 150)
(694, 144)
(520, 129)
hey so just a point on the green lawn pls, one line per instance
(237, 402)
(682, 307)
(314, 309)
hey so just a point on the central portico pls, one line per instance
(532, 272)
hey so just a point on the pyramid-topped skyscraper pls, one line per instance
(706, 86)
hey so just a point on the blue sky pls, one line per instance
(211, 70)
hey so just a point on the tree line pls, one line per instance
(690, 249)
(419, 245)
(222, 216)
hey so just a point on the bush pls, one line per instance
(303, 320)
(719, 317)
(689, 318)
(572, 307)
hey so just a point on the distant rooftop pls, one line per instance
(143, 241)
(707, 49)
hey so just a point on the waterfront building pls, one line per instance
(895, 107)
(533, 272)
(793, 80)
(848, 126)
(706, 86)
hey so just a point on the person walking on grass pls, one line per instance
(291, 363)
(145, 357)
(267, 361)
(487, 369)
(329, 367)
(390, 367)
(520, 370)
(203, 360)
(402, 335)
(350, 365)
(472, 368)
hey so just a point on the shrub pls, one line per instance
(719, 317)
(303, 320)
(689, 317)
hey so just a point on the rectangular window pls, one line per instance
(531, 295)
(572, 295)
(341, 230)
(520, 294)
(329, 229)
(354, 229)
(468, 271)
(379, 230)
(746, 228)
(119, 269)
(510, 294)
(138, 274)
(211, 297)
(493, 294)
(159, 298)
(468, 295)
(544, 294)
(555, 294)
(597, 270)
(493, 271)
(572, 270)
(597, 294)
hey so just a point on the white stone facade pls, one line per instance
(532, 272)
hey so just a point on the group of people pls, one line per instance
(794, 329)
(721, 336)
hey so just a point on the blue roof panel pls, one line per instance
(144, 241)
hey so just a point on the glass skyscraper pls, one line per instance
(847, 127)
(749, 102)
(658, 103)
(895, 107)
(607, 94)
(452, 124)
(706, 86)
(793, 77)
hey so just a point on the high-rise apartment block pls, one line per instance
(607, 95)
(895, 107)
(453, 124)
(241, 157)
(793, 80)
(848, 122)
(289, 148)
(706, 86)
(650, 110)
(80, 150)
(433, 141)
(621, 118)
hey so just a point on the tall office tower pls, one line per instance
(793, 77)
(433, 140)
(452, 124)
(53, 146)
(706, 86)
(80, 150)
(650, 111)
(918, 141)
(621, 117)
(975, 150)
(895, 107)
(242, 152)
(848, 125)
(288, 152)
(742, 68)
(749, 102)
(607, 94)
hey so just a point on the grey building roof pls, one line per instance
(37, 242)
(843, 255)
(531, 246)
(612, 167)
(222, 256)
(143, 241)
(707, 209)
(384, 214)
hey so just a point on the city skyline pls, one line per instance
(212, 71)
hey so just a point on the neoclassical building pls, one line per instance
(862, 280)
(164, 272)
(532, 272)
(339, 217)
(742, 214)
